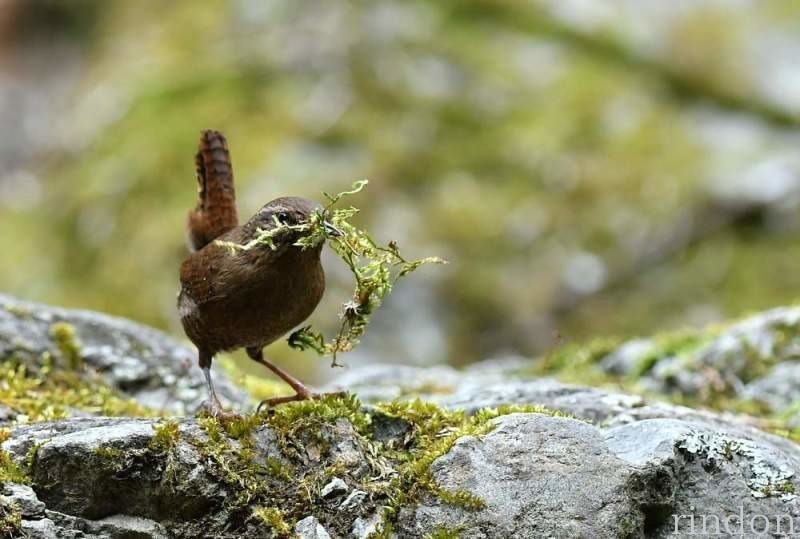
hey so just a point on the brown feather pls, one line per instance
(215, 213)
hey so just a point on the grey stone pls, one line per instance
(334, 487)
(626, 358)
(688, 469)
(7, 413)
(780, 388)
(583, 402)
(127, 527)
(77, 479)
(353, 499)
(39, 529)
(755, 358)
(139, 361)
(365, 527)
(25, 498)
(627, 467)
(538, 476)
(383, 382)
(310, 528)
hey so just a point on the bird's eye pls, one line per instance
(283, 217)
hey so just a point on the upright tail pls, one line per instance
(215, 213)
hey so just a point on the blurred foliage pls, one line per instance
(563, 162)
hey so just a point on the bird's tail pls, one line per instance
(215, 213)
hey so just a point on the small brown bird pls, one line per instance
(247, 298)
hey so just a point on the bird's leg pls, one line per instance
(301, 391)
(214, 405)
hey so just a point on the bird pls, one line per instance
(245, 298)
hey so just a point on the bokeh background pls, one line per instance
(589, 168)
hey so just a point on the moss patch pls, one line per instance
(336, 437)
(574, 361)
(10, 520)
(49, 394)
(67, 344)
(9, 471)
(273, 519)
(166, 436)
(444, 533)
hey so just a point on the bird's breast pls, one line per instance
(256, 305)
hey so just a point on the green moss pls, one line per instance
(32, 456)
(19, 311)
(670, 344)
(307, 433)
(241, 427)
(211, 427)
(10, 472)
(574, 362)
(273, 518)
(445, 533)
(49, 394)
(111, 458)
(787, 487)
(296, 416)
(276, 468)
(10, 520)
(434, 431)
(66, 341)
(166, 435)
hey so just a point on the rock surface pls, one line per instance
(625, 468)
(139, 361)
(658, 462)
(618, 465)
(757, 358)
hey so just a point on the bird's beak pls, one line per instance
(331, 229)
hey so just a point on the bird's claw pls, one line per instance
(300, 396)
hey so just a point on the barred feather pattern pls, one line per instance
(215, 213)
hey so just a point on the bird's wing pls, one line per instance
(206, 274)
(215, 213)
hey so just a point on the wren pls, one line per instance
(246, 298)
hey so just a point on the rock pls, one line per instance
(41, 529)
(779, 387)
(128, 527)
(622, 472)
(335, 487)
(139, 361)
(538, 476)
(81, 468)
(353, 499)
(757, 358)
(625, 359)
(87, 471)
(25, 498)
(583, 402)
(310, 528)
(363, 528)
(622, 466)
(649, 441)
(688, 469)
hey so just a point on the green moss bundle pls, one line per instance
(375, 267)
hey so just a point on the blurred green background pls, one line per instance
(588, 167)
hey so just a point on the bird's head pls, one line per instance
(292, 212)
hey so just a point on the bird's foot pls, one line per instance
(299, 396)
(214, 408)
